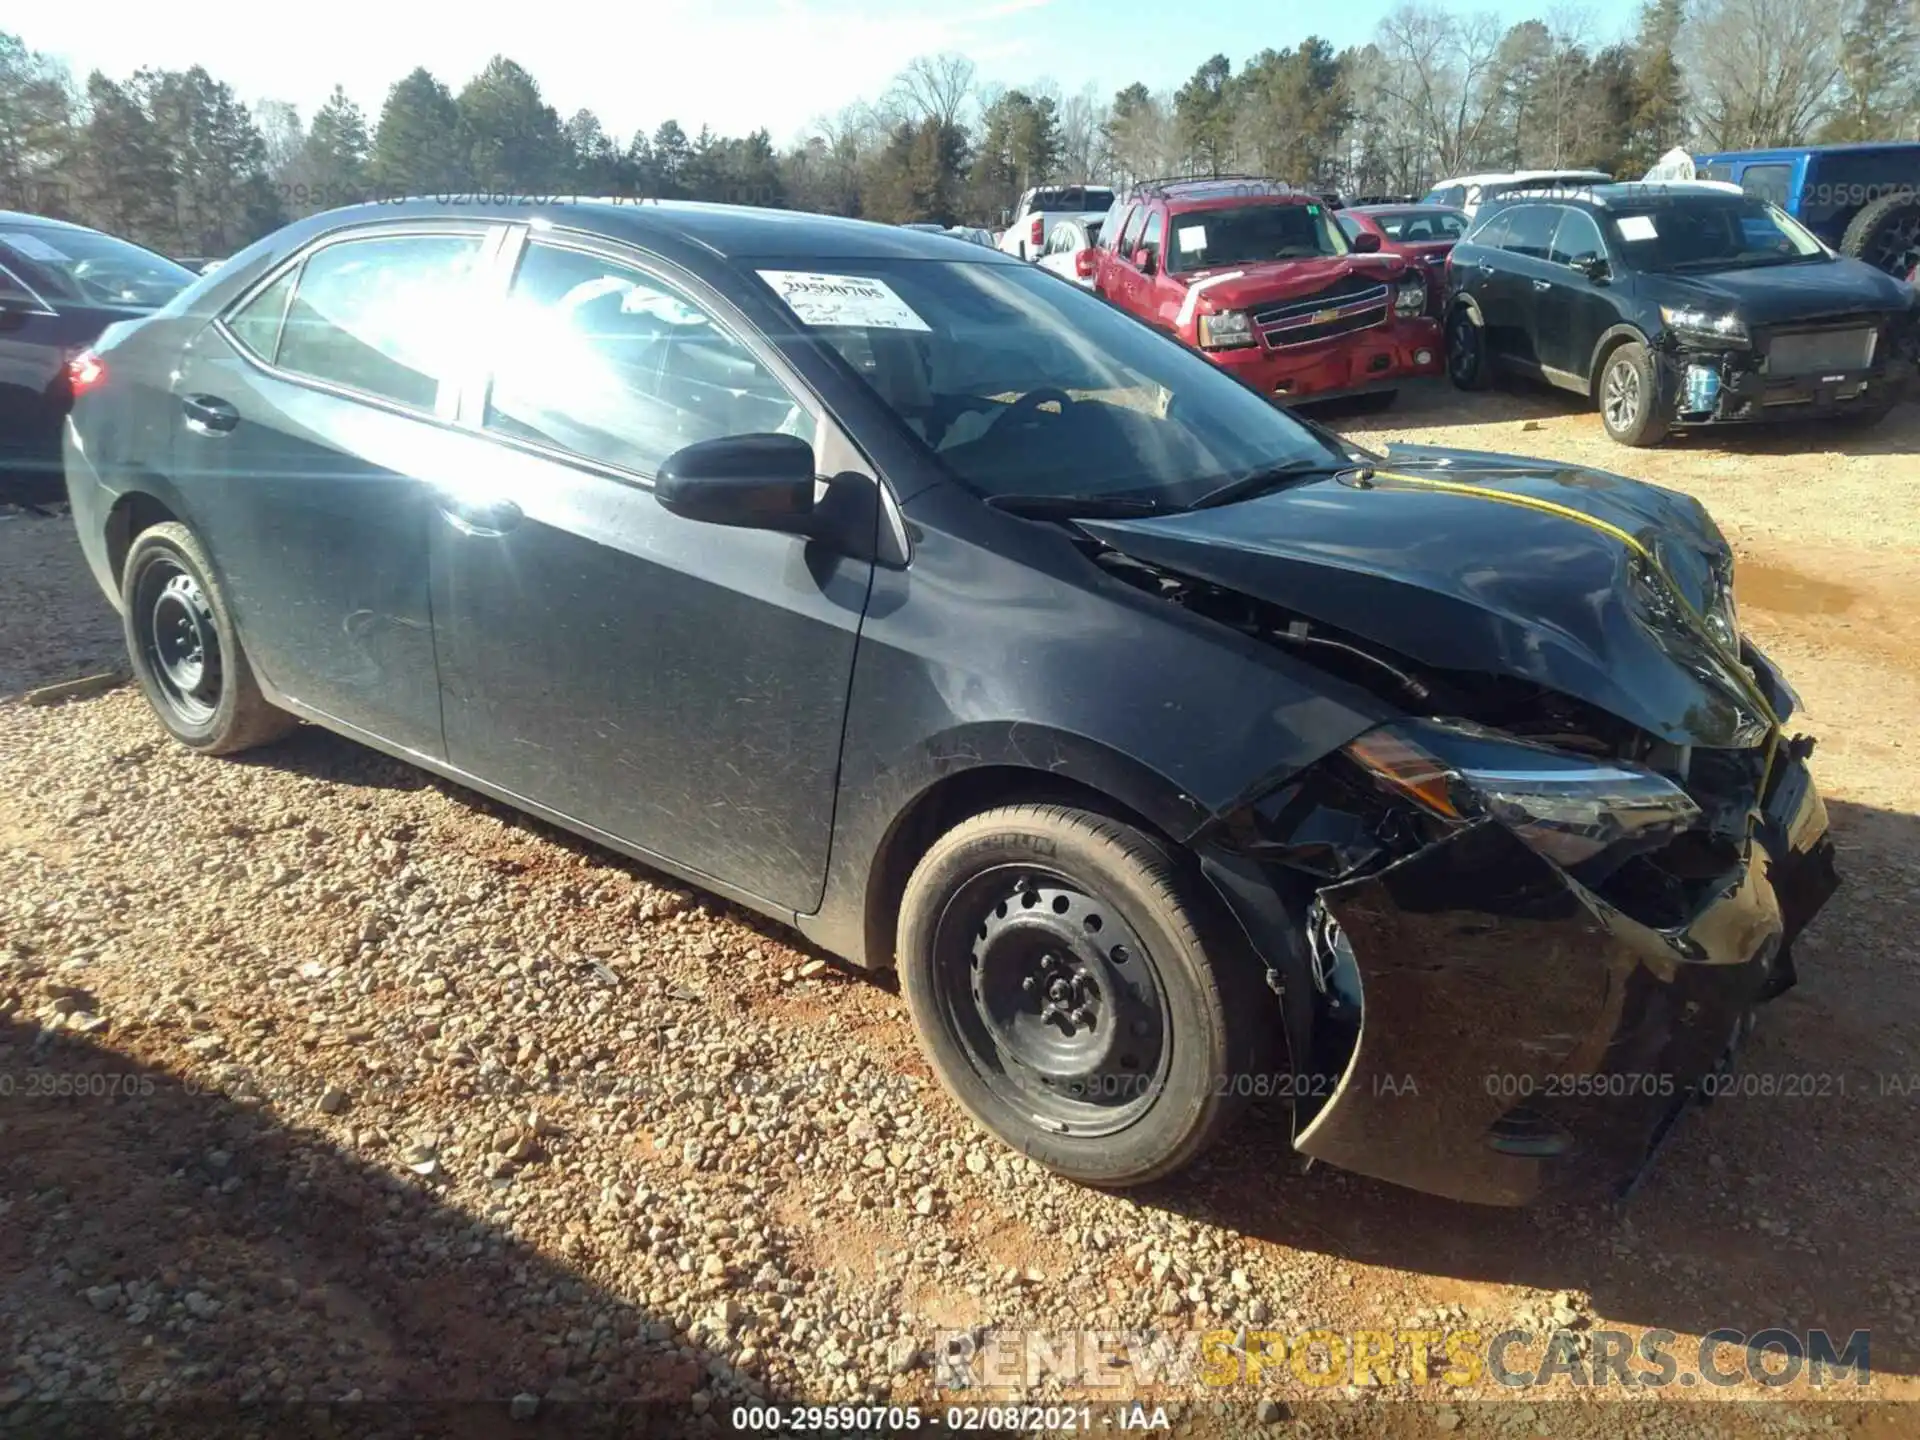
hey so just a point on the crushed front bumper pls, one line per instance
(1520, 1035)
(1707, 388)
(1380, 357)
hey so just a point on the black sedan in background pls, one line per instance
(1676, 305)
(60, 286)
(1177, 752)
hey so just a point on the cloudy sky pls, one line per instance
(734, 64)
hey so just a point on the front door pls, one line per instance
(311, 425)
(681, 687)
(1572, 312)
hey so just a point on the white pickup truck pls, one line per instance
(1045, 206)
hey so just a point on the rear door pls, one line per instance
(681, 687)
(1518, 274)
(313, 421)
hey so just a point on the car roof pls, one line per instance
(21, 217)
(1413, 207)
(1794, 152)
(1621, 193)
(1492, 177)
(727, 231)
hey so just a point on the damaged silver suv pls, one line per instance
(1176, 751)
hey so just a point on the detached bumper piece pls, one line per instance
(1520, 1035)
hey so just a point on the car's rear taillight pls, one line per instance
(85, 370)
(1083, 264)
(1036, 237)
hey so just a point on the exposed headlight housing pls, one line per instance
(1226, 330)
(1411, 298)
(1584, 814)
(1704, 325)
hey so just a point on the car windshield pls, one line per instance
(1414, 226)
(86, 266)
(1247, 234)
(1711, 233)
(1023, 386)
(1073, 197)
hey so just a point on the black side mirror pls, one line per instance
(1366, 243)
(757, 482)
(1594, 267)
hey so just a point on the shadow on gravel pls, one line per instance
(1791, 1207)
(203, 1259)
(1437, 406)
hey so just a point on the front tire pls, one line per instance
(1886, 234)
(185, 651)
(1630, 397)
(1053, 963)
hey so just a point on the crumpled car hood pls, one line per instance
(1482, 563)
(1264, 282)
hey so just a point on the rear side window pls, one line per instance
(390, 317)
(614, 365)
(1451, 195)
(1530, 231)
(1350, 225)
(1130, 237)
(1109, 231)
(256, 324)
(1768, 182)
(1715, 170)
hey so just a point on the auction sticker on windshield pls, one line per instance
(855, 300)
(1637, 227)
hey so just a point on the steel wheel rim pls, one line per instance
(1897, 247)
(1057, 1004)
(180, 641)
(1461, 360)
(1622, 395)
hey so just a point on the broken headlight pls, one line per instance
(1226, 330)
(1705, 325)
(1584, 814)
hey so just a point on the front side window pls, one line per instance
(1709, 233)
(392, 316)
(1577, 236)
(89, 268)
(1155, 233)
(610, 363)
(973, 359)
(1249, 234)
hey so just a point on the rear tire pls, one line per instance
(1467, 364)
(1629, 395)
(1053, 963)
(185, 651)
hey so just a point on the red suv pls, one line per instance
(1259, 278)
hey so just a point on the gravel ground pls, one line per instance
(390, 1094)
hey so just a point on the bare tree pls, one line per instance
(936, 87)
(1440, 69)
(1082, 139)
(1765, 72)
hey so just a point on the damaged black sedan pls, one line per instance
(1177, 752)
